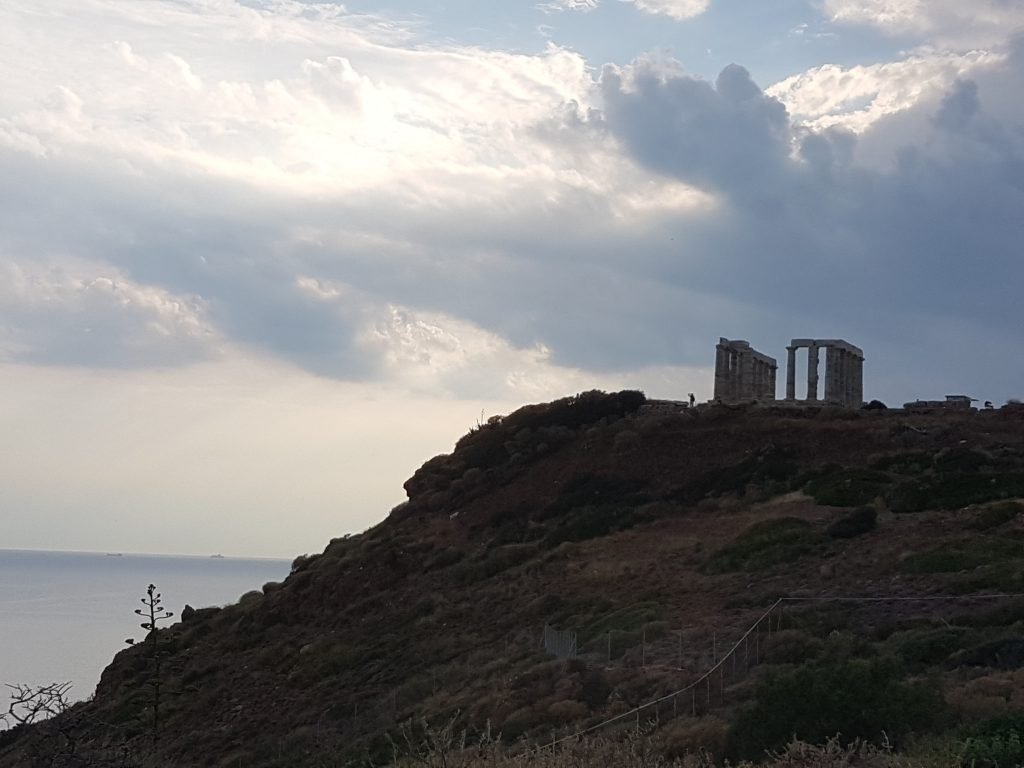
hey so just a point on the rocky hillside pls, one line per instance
(659, 536)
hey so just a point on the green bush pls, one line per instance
(848, 487)
(861, 520)
(487, 445)
(1005, 653)
(492, 563)
(908, 463)
(954, 491)
(592, 522)
(995, 743)
(964, 555)
(922, 648)
(791, 646)
(856, 698)
(764, 544)
(622, 620)
(590, 506)
(771, 466)
(995, 515)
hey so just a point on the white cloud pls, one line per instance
(90, 315)
(676, 9)
(979, 22)
(855, 97)
(568, 5)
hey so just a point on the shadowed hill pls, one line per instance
(658, 535)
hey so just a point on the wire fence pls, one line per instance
(709, 688)
(713, 659)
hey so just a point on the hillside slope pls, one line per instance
(659, 536)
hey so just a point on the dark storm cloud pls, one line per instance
(909, 252)
(722, 136)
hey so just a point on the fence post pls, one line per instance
(709, 691)
(714, 647)
(675, 707)
(693, 700)
(643, 647)
(721, 682)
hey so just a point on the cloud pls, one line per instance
(855, 97)
(982, 22)
(676, 9)
(822, 223)
(546, 227)
(94, 317)
(717, 136)
(568, 5)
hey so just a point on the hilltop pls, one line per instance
(659, 535)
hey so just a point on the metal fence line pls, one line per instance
(744, 640)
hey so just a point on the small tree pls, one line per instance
(32, 704)
(153, 612)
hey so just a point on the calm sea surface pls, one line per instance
(64, 615)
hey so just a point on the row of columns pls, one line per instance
(742, 373)
(844, 371)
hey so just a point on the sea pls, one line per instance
(63, 615)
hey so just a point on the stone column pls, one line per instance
(858, 381)
(746, 375)
(791, 373)
(831, 375)
(848, 377)
(721, 371)
(772, 383)
(812, 372)
(836, 374)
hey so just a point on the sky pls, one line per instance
(260, 259)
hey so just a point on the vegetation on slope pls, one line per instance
(659, 536)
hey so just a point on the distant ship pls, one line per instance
(114, 554)
(219, 557)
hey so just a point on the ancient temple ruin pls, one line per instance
(844, 371)
(742, 373)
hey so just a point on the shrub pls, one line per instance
(954, 491)
(1007, 653)
(861, 520)
(994, 743)
(622, 621)
(856, 698)
(769, 466)
(995, 515)
(492, 563)
(302, 562)
(848, 487)
(591, 506)
(706, 735)
(921, 648)
(963, 555)
(764, 544)
(791, 646)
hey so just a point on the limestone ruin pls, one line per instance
(742, 373)
(844, 371)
